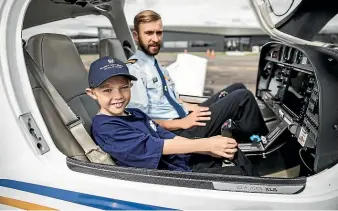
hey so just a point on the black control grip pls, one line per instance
(226, 128)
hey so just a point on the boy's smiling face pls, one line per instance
(113, 95)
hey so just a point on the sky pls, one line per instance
(196, 12)
(222, 13)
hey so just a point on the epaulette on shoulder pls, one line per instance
(131, 61)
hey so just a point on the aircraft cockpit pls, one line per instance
(49, 116)
(289, 90)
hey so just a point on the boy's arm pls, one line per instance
(167, 135)
(217, 146)
(181, 145)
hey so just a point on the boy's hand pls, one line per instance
(220, 146)
(193, 119)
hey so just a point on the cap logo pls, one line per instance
(110, 61)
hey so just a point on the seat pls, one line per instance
(60, 61)
(112, 47)
(127, 49)
(63, 139)
(63, 78)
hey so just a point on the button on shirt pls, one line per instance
(147, 92)
(136, 141)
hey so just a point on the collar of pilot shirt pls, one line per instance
(145, 57)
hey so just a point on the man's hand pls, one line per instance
(219, 146)
(193, 119)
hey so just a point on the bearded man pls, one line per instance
(154, 93)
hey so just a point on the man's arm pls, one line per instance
(195, 118)
(139, 97)
(171, 125)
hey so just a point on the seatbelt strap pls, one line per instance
(93, 152)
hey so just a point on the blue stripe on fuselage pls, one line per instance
(78, 198)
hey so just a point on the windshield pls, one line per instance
(302, 19)
(329, 33)
(281, 9)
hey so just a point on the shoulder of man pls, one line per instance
(131, 61)
(136, 66)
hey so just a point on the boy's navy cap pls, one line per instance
(106, 67)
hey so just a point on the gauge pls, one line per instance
(298, 57)
(304, 60)
(274, 54)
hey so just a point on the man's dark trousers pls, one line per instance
(234, 102)
(237, 103)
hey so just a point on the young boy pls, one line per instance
(134, 140)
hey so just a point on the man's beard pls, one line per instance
(144, 48)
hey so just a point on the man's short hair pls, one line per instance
(145, 16)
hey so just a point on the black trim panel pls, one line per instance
(174, 178)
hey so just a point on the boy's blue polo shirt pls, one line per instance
(136, 141)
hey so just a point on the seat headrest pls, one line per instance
(59, 59)
(112, 47)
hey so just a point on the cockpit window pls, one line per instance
(329, 33)
(281, 9)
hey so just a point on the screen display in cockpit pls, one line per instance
(275, 83)
(294, 96)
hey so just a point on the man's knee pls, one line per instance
(239, 85)
(243, 93)
(243, 97)
(235, 86)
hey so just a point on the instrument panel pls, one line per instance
(290, 55)
(298, 85)
(288, 85)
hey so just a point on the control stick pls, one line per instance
(226, 129)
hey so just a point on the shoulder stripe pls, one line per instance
(131, 61)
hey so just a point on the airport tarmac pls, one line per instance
(222, 70)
